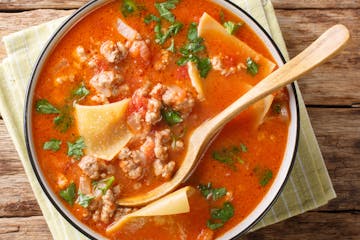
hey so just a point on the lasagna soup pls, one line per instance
(120, 95)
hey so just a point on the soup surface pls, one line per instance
(122, 92)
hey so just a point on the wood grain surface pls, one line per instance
(332, 94)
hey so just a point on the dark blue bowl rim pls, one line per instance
(28, 137)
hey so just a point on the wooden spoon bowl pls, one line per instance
(327, 45)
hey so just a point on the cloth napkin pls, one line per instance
(308, 187)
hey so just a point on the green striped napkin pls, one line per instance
(309, 185)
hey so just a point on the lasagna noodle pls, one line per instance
(103, 128)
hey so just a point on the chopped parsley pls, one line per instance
(232, 27)
(81, 91)
(264, 175)
(252, 67)
(75, 149)
(43, 106)
(171, 116)
(230, 156)
(277, 108)
(104, 184)
(128, 7)
(190, 52)
(172, 48)
(68, 194)
(53, 145)
(151, 18)
(209, 192)
(219, 216)
(84, 200)
(164, 9)
(64, 120)
(161, 37)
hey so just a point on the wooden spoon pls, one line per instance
(322, 49)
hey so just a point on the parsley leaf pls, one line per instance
(84, 200)
(171, 116)
(68, 194)
(164, 9)
(277, 108)
(43, 106)
(230, 156)
(266, 177)
(232, 27)
(219, 216)
(53, 145)
(64, 120)
(172, 48)
(161, 37)
(81, 91)
(128, 7)
(191, 48)
(204, 66)
(76, 149)
(252, 67)
(151, 18)
(104, 184)
(208, 191)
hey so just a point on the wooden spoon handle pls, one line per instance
(328, 44)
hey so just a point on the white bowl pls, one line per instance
(279, 181)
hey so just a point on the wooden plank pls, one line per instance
(24, 228)
(337, 81)
(313, 225)
(69, 4)
(29, 4)
(338, 132)
(300, 4)
(13, 22)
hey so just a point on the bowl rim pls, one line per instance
(62, 30)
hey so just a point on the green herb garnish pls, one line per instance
(104, 184)
(191, 50)
(76, 149)
(128, 7)
(252, 67)
(69, 193)
(161, 37)
(209, 192)
(53, 145)
(43, 106)
(277, 108)
(81, 91)
(172, 48)
(64, 120)
(230, 156)
(164, 9)
(264, 175)
(151, 18)
(84, 200)
(171, 116)
(232, 27)
(219, 216)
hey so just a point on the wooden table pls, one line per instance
(331, 93)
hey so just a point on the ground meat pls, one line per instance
(157, 91)
(218, 65)
(179, 99)
(177, 145)
(107, 83)
(164, 170)
(153, 113)
(62, 181)
(131, 163)
(96, 216)
(162, 61)
(148, 148)
(139, 48)
(90, 167)
(121, 212)
(80, 54)
(85, 185)
(162, 142)
(113, 52)
(206, 234)
(108, 207)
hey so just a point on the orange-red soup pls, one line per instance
(94, 64)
